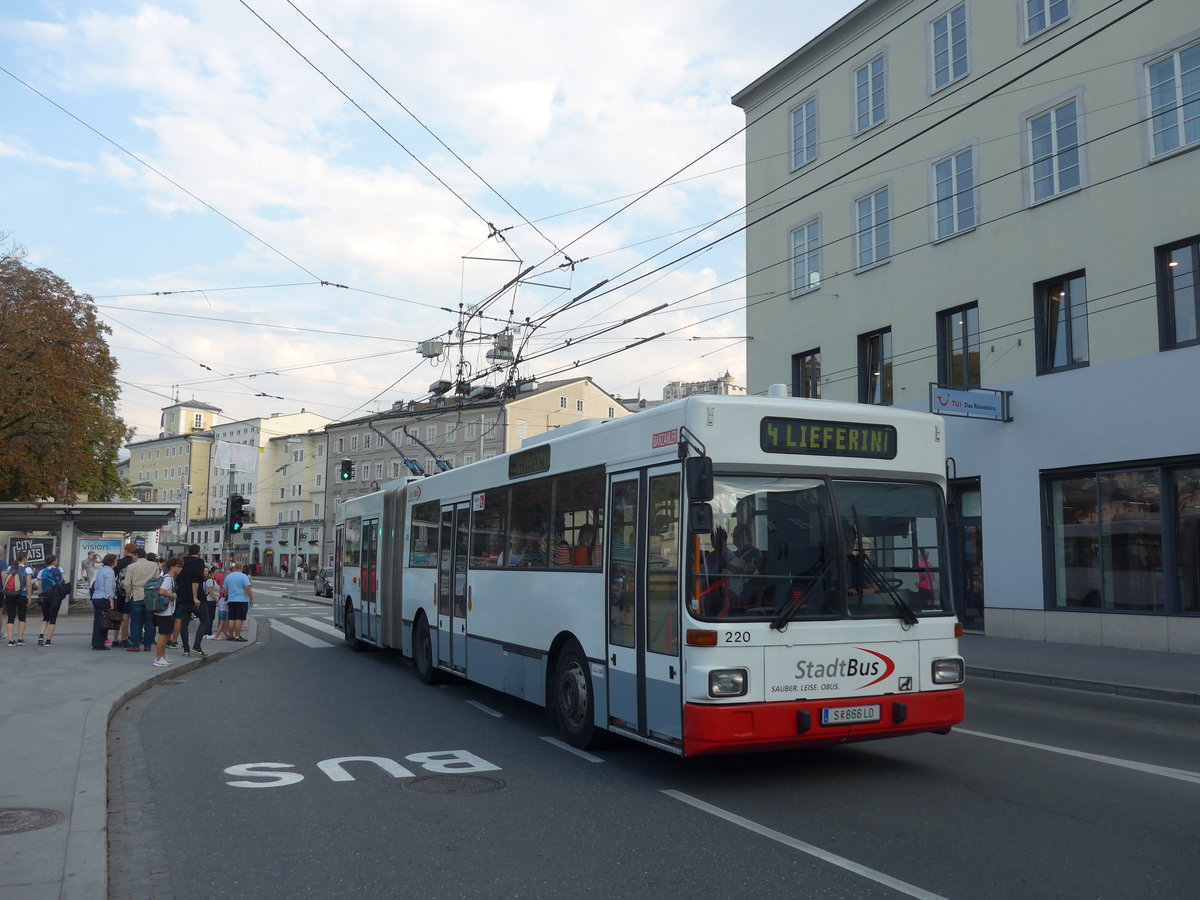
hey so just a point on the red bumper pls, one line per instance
(781, 726)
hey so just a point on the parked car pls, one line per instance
(323, 583)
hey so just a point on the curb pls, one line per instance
(85, 864)
(1095, 687)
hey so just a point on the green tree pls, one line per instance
(59, 428)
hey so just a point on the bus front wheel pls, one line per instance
(423, 653)
(574, 701)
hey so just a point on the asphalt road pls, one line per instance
(227, 774)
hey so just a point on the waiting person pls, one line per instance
(239, 591)
(212, 599)
(54, 590)
(187, 600)
(203, 616)
(104, 597)
(124, 562)
(164, 619)
(141, 621)
(18, 592)
(223, 632)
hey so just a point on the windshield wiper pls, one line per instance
(779, 623)
(906, 613)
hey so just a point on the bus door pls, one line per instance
(452, 587)
(339, 596)
(644, 545)
(369, 580)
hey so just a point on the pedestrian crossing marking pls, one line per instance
(320, 626)
(302, 637)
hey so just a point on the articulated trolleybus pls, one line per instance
(718, 574)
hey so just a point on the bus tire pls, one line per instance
(351, 635)
(427, 669)
(574, 700)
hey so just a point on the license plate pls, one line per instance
(849, 715)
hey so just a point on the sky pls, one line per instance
(273, 202)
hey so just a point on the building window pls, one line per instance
(806, 374)
(875, 367)
(1175, 99)
(378, 470)
(869, 95)
(469, 458)
(806, 257)
(1061, 323)
(954, 193)
(452, 431)
(578, 406)
(354, 442)
(874, 229)
(949, 46)
(562, 402)
(1178, 294)
(958, 347)
(804, 133)
(341, 445)
(470, 431)
(1042, 14)
(1054, 151)
(366, 442)
(198, 421)
(395, 470)
(316, 510)
(431, 433)
(1112, 534)
(320, 476)
(611, 411)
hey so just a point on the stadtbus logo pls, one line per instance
(848, 667)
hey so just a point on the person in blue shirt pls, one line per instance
(240, 597)
(104, 598)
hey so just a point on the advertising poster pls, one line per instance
(38, 548)
(91, 552)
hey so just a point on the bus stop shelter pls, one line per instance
(71, 523)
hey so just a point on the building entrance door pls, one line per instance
(966, 543)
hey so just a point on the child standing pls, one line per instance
(164, 619)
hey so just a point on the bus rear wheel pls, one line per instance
(574, 701)
(348, 629)
(423, 653)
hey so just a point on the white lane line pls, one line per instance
(296, 634)
(491, 712)
(320, 626)
(832, 858)
(1145, 768)
(562, 745)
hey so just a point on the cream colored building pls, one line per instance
(998, 197)
(174, 467)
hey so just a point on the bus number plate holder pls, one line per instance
(851, 715)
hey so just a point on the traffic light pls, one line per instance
(347, 470)
(236, 515)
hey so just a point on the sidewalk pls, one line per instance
(55, 707)
(1145, 674)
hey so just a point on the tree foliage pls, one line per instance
(59, 428)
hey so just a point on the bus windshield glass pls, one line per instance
(789, 549)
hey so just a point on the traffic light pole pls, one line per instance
(228, 508)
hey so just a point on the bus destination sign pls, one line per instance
(811, 437)
(529, 462)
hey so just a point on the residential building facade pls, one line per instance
(993, 199)
(174, 467)
(457, 431)
(677, 390)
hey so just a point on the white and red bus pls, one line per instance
(717, 574)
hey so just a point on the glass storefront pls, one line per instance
(1126, 539)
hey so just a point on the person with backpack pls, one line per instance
(18, 590)
(54, 590)
(164, 610)
(135, 578)
(122, 599)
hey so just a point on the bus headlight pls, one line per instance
(947, 671)
(727, 683)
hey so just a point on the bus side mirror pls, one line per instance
(698, 470)
(700, 518)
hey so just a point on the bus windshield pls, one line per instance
(809, 548)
